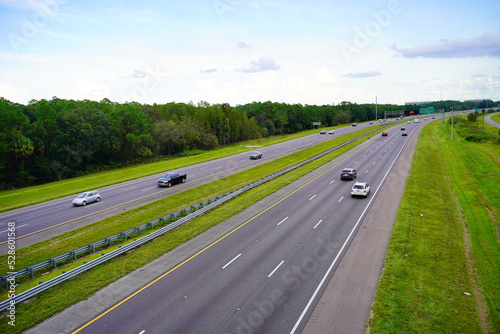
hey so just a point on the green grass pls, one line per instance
(80, 237)
(444, 244)
(12, 199)
(491, 130)
(496, 117)
(83, 286)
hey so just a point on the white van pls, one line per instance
(417, 120)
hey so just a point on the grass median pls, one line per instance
(443, 261)
(12, 199)
(85, 285)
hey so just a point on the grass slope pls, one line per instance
(442, 266)
(85, 285)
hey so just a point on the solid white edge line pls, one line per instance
(344, 245)
(282, 221)
(227, 264)
(272, 272)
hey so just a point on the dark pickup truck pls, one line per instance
(171, 178)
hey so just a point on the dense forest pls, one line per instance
(49, 140)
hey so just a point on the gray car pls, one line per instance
(256, 155)
(348, 174)
(87, 197)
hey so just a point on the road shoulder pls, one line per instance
(345, 304)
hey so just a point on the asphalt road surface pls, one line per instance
(268, 269)
(491, 122)
(45, 220)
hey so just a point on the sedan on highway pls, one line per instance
(404, 133)
(86, 198)
(360, 189)
(256, 155)
(384, 134)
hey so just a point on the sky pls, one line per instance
(315, 52)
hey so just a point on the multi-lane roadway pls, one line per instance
(267, 274)
(45, 220)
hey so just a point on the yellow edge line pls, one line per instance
(113, 207)
(204, 249)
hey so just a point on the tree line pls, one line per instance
(48, 140)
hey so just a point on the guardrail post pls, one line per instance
(73, 254)
(30, 270)
(92, 248)
(53, 262)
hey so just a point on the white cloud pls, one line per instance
(487, 44)
(367, 74)
(261, 65)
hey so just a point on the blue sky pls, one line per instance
(239, 51)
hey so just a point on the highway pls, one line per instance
(45, 220)
(267, 274)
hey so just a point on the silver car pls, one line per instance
(256, 155)
(87, 197)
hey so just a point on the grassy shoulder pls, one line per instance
(12, 199)
(496, 117)
(83, 286)
(443, 261)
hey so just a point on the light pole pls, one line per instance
(451, 123)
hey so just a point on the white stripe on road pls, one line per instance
(282, 220)
(317, 224)
(344, 245)
(227, 264)
(15, 227)
(272, 272)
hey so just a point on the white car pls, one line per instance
(331, 132)
(87, 197)
(360, 189)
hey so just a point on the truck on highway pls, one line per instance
(171, 178)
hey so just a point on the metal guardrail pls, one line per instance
(207, 205)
